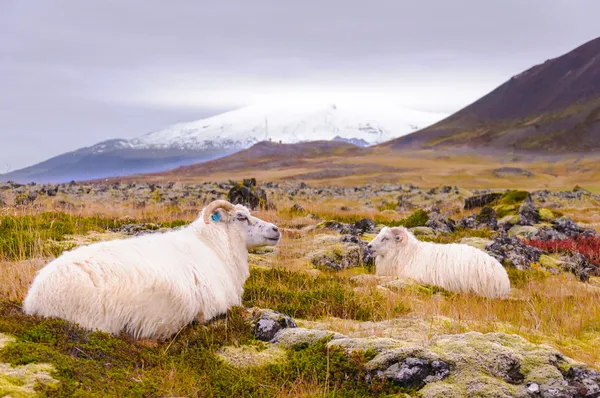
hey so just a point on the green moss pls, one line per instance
(549, 215)
(96, 364)
(248, 356)
(503, 211)
(21, 381)
(520, 278)
(368, 237)
(343, 375)
(479, 243)
(513, 197)
(510, 219)
(549, 262)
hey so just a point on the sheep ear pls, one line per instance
(400, 234)
(219, 216)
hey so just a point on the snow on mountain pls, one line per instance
(221, 135)
(287, 123)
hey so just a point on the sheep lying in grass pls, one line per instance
(151, 286)
(454, 267)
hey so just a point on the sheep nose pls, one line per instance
(369, 246)
(275, 228)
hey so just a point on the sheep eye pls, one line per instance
(242, 217)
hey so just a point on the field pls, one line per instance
(349, 167)
(321, 281)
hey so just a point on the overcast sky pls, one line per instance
(73, 72)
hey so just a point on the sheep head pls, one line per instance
(387, 239)
(258, 233)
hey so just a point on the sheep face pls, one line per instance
(258, 233)
(387, 239)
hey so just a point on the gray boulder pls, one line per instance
(267, 323)
(529, 215)
(416, 372)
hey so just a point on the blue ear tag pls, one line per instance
(216, 217)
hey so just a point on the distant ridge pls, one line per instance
(553, 107)
(220, 135)
(269, 155)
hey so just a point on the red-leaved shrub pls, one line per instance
(588, 247)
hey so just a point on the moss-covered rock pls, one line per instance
(302, 337)
(549, 215)
(523, 231)
(506, 210)
(513, 197)
(510, 219)
(249, 194)
(332, 252)
(550, 263)
(479, 243)
(266, 323)
(248, 356)
(423, 231)
(20, 381)
(469, 364)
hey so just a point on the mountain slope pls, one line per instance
(552, 107)
(270, 156)
(188, 143)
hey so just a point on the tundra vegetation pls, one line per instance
(315, 319)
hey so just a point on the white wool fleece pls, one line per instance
(454, 267)
(153, 285)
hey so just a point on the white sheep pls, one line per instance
(454, 267)
(153, 285)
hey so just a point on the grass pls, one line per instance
(35, 235)
(301, 295)
(458, 234)
(550, 309)
(97, 364)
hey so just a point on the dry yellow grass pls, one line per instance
(424, 168)
(556, 310)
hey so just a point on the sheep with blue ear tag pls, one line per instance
(150, 286)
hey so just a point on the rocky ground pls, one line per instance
(314, 297)
(468, 364)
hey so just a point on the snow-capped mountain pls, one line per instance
(244, 127)
(226, 133)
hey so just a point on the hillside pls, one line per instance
(326, 163)
(553, 107)
(269, 155)
(316, 160)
